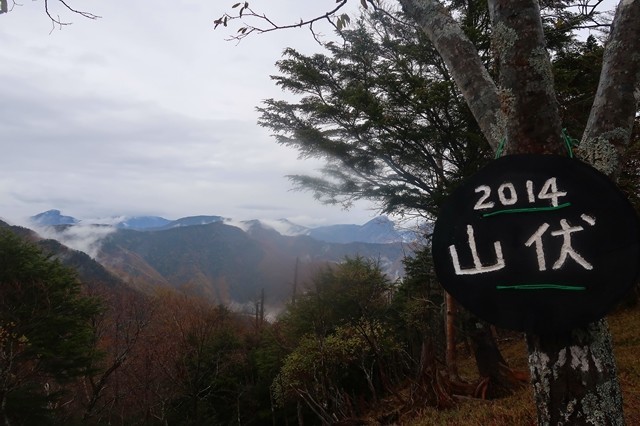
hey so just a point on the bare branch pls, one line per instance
(57, 21)
(584, 11)
(79, 12)
(245, 12)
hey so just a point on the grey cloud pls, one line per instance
(142, 114)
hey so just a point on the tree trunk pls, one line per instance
(450, 334)
(498, 379)
(299, 413)
(527, 96)
(464, 64)
(525, 71)
(574, 375)
(429, 388)
(611, 119)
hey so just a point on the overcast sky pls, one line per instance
(147, 111)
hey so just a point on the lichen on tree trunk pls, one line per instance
(574, 377)
(610, 123)
(527, 95)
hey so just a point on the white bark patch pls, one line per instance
(537, 360)
(580, 358)
(560, 363)
(539, 364)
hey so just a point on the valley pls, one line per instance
(224, 261)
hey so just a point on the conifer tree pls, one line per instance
(45, 335)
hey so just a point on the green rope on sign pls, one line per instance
(500, 148)
(527, 210)
(541, 287)
(569, 142)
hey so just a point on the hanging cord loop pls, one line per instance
(569, 142)
(500, 147)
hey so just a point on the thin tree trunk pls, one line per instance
(3, 409)
(299, 413)
(499, 379)
(430, 388)
(273, 409)
(450, 333)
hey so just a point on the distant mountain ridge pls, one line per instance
(156, 223)
(143, 222)
(225, 261)
(377, 230)
(52, 217)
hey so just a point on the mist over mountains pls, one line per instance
(378, 230)
(89, 271)
(223, 260)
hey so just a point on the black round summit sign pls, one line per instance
(537, 243)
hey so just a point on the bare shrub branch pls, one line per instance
(265, 24)
(57, 21)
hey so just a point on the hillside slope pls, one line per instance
(229, 265)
